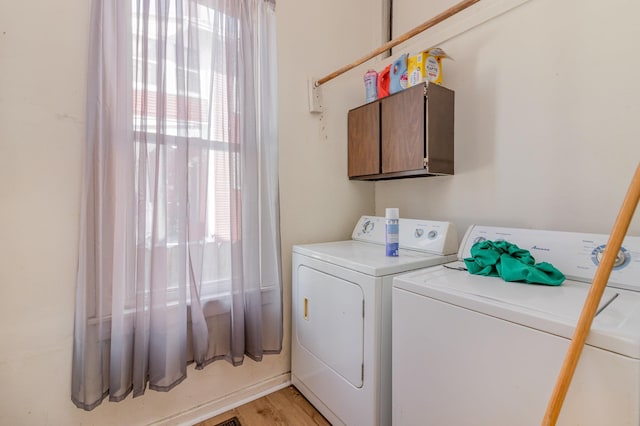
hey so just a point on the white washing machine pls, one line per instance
(475, 350)
(341, 315)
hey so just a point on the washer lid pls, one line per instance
(552, 309)
(370, 258)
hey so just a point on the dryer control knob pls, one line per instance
(367, 226)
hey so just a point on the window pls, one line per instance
(196, 89)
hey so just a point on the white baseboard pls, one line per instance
(228, 402)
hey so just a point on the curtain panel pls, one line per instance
(179, 257)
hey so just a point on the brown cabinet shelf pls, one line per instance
(407, 134)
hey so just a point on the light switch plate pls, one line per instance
(315, 98)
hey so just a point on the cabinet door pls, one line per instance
(439, 139)
(402, 138)
(364, 140)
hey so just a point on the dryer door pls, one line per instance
(331, 323)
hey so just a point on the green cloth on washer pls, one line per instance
(506, 260)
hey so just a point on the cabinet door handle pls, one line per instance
(306, 309)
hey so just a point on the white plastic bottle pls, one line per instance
(392, 216)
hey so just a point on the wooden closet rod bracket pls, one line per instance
(396, 41)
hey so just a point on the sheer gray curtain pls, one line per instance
(179, 254)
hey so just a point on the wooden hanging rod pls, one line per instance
(396, 41)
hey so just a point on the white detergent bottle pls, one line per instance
(392, 217)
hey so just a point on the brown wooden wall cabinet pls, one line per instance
(407, 134)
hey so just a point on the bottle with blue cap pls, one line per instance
(392, 240)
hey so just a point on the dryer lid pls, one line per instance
(423, 243)
(369, 258)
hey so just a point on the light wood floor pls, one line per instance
(284, 407)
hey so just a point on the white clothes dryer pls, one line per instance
(476, 350)
(341, 315)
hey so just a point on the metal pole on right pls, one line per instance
(593, 299)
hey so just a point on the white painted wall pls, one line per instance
(43, 57)
(547, 107)
(546, 104)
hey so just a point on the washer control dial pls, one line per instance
(367, 226)
(622, 258)
(418, 232)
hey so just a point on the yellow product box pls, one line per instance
(425, 66)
